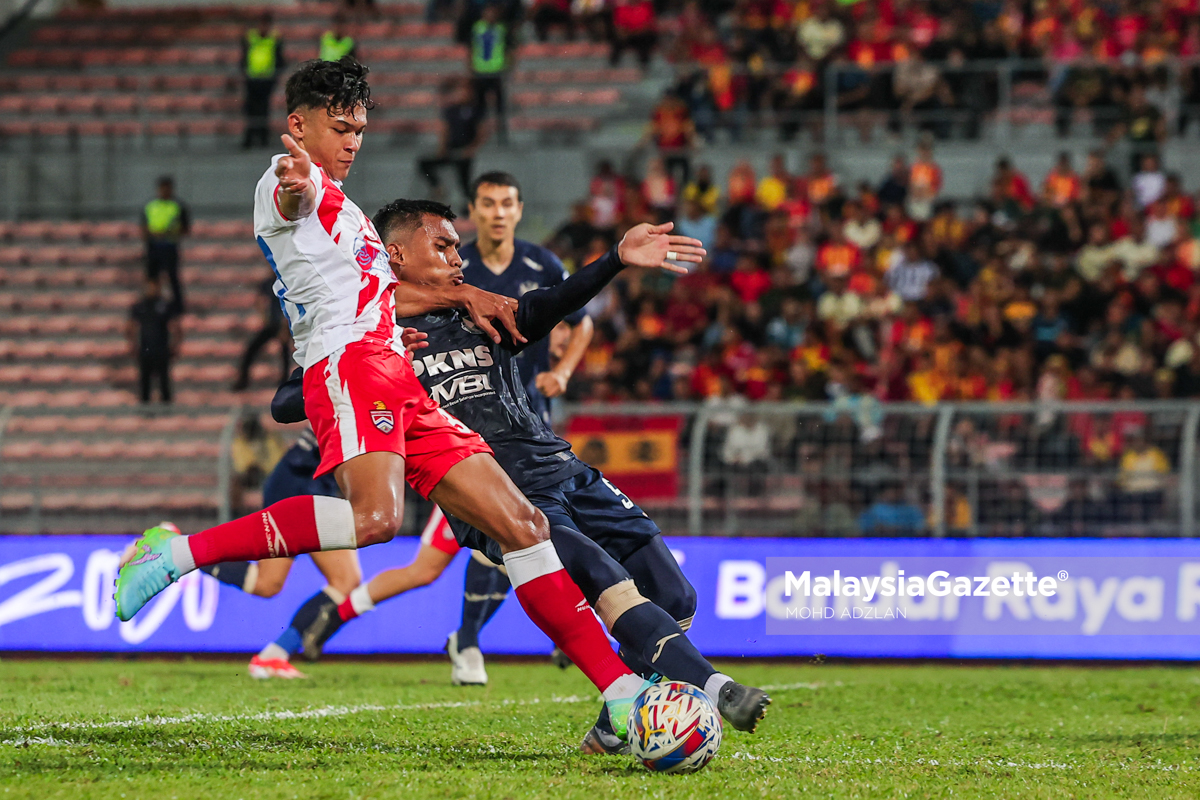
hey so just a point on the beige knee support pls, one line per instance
(616, 600)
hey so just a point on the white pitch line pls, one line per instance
(311, 713)
(266, 716)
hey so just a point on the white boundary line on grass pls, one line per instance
(312, 714)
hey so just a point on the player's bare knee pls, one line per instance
(527, 527)
(267, 587)
(377, 527)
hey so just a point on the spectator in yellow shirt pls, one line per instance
(773, 189)
(1142, 478)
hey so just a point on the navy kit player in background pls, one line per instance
(500, 263)
(612, 550)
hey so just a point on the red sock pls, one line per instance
(556, 605)
(346, 610)
(290, 527)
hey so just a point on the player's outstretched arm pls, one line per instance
(645, 245)
(297, 193)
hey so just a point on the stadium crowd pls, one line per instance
(747, 61)
(1075, 286)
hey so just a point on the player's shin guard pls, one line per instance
(557, 606)
(640, 626)
(240, 574)
(484, 590)
(290, 527)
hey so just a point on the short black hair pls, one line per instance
(336, 86)
(405, 216)
(495, 178)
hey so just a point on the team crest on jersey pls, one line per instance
(527, 286)
(383, 418)
(366, 249)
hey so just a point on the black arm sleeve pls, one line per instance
(288, 403)
(540, 310)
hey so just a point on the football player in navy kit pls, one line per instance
(608, 545)
(498, 262)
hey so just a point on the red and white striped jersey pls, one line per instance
(332, 274)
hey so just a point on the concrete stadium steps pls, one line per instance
(65, 293)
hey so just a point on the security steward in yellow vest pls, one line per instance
(335, 44)
(164, 222)
(262, 61)
(491, 54)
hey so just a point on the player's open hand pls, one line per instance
(485, 307)
(653, 246)
(293, 170)
(413, 340)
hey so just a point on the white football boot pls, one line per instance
(466, 665)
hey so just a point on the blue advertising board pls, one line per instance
(757, 597)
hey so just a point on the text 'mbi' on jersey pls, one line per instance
(478, 382)
(532, 267)
(332, 275)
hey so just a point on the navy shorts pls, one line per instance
(586, 502)
(293, 477)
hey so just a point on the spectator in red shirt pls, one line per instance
(672, 132)
(1013, 184)
(634, 27)
(749, 280)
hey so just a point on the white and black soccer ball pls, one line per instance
(674, 727)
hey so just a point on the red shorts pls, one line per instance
(366, 399)
(437, 534)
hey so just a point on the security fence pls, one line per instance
(853, 468)
(861, 468)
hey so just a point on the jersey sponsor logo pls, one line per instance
(453, 360)
(382, 418)
(526, 286)
(460, 387)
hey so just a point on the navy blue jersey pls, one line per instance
(479, 382)
(532, 267)
(293, 475)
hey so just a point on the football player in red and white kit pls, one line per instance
(375, 425)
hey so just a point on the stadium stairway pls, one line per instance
(155, 72)
(77, 452)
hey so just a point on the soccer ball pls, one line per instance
(673, 727)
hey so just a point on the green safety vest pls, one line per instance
(260, 54)
(488, 53)
(333, 48)
(163, 217)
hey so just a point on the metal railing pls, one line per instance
(861, 468)
(987, 100)
(855, 467)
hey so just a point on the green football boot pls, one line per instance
(148, 569)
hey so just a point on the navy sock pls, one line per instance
(665, 649)
(316, 620)
(484, 590)
(231, 572)
(648, 635)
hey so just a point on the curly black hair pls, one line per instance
(404, 216)
(336, 86)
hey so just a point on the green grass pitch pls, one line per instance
(187, 729)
